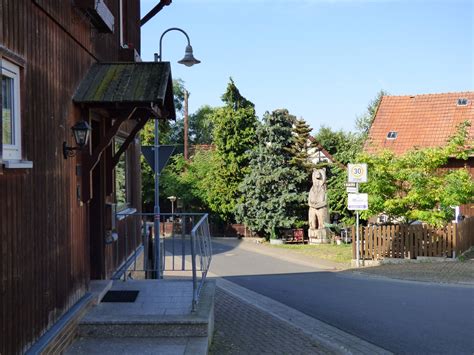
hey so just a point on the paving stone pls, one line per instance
(244, 329)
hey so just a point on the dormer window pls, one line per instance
(392, 135)
(463, 102)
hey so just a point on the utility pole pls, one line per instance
(186, 153)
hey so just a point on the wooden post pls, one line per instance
(186, 153)
(399, 251)
(455, 240)
(353, 243)
(369, 242)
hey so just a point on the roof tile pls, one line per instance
(420, 121)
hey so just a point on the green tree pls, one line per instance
(234, 136)
(201, 126)
(178, 92)
(332, 141)
(189, 180)
(300, 158)
(415, 186)
(301, 144)
(270, 189)
(364, 121)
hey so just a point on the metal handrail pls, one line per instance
(200, 235)
(199, 243)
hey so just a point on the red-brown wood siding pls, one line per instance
(44, 237)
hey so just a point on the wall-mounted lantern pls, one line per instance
(81, 131)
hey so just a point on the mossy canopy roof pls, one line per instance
(128, 84)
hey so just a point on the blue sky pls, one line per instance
(324, 60)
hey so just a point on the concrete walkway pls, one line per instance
(249, 323)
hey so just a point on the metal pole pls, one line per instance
(159, 56)
(186, 152)
(157, 202)
(357, 238)
(357, 233)
(193, 263)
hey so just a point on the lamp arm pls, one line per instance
(160, 55)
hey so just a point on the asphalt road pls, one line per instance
(403, 317)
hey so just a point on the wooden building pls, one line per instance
(65, 62)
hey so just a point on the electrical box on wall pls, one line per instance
(99, 14)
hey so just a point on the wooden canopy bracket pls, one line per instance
(91, 161)
(138, 126)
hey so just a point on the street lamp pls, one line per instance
(188, 60)
(172, 199)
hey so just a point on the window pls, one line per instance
(122, 180)
(11, 127)
(392, 135)
(462, 102)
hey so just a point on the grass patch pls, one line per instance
(338, 253)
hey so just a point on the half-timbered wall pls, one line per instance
(44, 250)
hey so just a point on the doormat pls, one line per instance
(120, 296)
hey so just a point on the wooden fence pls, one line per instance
(398, 241)
(231, 230)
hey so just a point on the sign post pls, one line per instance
(357, 173)
(357, 236)
(157, 157)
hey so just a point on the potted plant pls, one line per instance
(298, 231)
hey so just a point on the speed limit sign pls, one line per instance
(357, 172)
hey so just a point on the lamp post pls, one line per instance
(189, 61)
(172, 199)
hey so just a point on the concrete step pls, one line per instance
(162, 309)
(113, 346)
(146, 326)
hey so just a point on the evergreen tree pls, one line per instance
(364, 122)
(301, 144)
(270, 189)
(234, 137)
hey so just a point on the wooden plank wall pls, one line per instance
(44, 266)
(465, 232)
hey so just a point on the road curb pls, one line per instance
(356, 274)
(328, 336)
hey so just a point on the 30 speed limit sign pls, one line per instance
(357, 172)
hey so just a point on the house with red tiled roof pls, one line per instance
(317, 153)
(403, 123)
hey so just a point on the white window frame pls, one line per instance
(128, 200)
(13, 151)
